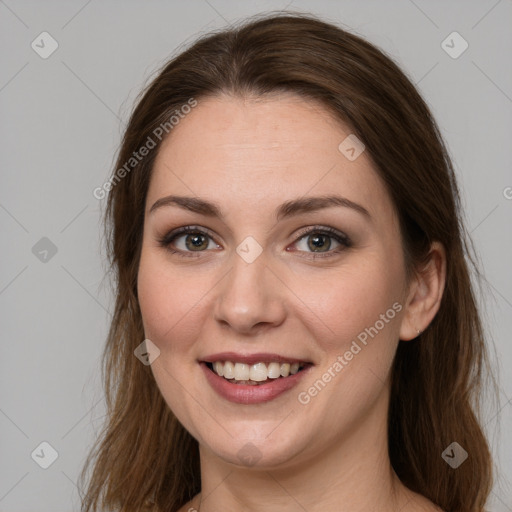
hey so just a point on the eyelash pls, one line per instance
(340, 237)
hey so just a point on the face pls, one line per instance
(270, 276)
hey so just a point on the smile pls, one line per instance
(252, 379)
(255, 374)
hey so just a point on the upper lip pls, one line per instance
(252, 358)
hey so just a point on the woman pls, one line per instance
(284, 225)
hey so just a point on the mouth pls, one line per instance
(255, 374)
(252, 379)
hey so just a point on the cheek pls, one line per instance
(352, 300)
(362, 313)
(166, 300)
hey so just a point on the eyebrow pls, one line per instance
(287, 209)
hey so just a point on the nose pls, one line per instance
(250, 298)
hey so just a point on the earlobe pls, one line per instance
(425, 294)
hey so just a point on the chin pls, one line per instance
(260, 450)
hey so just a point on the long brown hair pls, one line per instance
(436, 379)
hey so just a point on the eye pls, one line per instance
(319, 241)
(316, 240)
(187, 240)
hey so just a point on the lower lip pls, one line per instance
(246, 394)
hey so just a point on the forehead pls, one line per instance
(259, 151)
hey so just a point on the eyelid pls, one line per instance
(185, 230)
(322, 229)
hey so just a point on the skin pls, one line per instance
(249, 156)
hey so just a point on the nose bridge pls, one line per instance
(250, 293)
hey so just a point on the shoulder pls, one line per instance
(419, 503)
(190, 506)
(425, 505)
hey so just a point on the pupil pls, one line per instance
(196, 241)
(319, 242)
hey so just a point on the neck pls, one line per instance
(353, 475)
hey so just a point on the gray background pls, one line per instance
(61, 120)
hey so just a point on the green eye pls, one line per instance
(320, 241)
(196, 241)
(316, 240)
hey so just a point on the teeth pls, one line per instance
(229, 370)
(241, 371)
(219, 368)
(274, 370)
(285, 369)
(259, 372)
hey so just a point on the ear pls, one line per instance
(424, 294)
